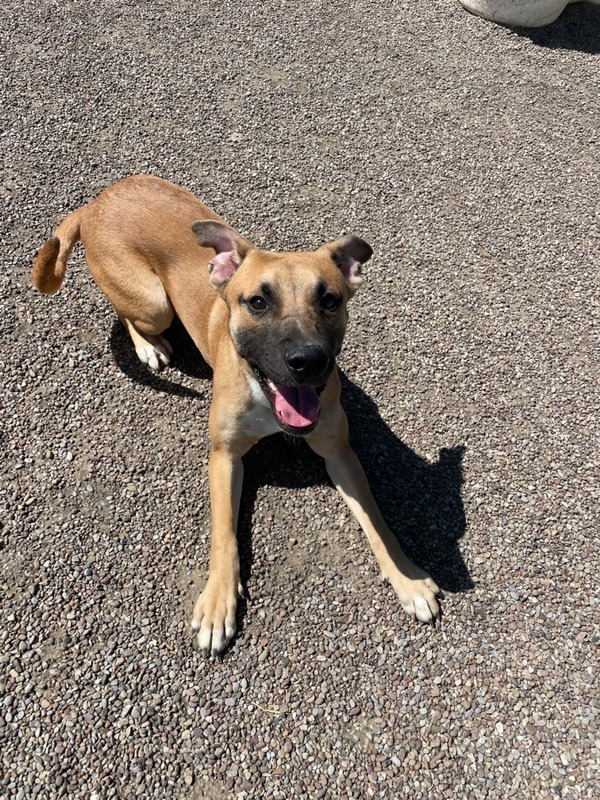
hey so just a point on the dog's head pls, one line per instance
(287, 314)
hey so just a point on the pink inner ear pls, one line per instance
(350, 269)
(222, 266)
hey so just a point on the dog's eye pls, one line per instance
(330, 301)
(257, 303)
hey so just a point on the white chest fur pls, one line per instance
(259, 420)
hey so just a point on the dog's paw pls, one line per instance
(421, 601)
(418, 596)
(156, 353)
(214, 617)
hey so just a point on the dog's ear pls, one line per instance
(350, 253)
(230, 249)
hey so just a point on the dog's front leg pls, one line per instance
(416, 590)
(214, 613)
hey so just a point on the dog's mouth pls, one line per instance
(296, 408)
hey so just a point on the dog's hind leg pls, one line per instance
(153, 350)
(139, 298)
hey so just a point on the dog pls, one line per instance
(269, 324)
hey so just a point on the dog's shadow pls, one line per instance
(421, 501)
(186, 359)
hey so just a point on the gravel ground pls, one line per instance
(467, 154)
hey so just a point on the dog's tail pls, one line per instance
(51, 261)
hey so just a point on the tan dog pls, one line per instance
(269, 324)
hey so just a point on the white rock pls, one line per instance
(526, 13)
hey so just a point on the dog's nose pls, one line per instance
(306, 361)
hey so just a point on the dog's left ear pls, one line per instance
(230, 249)
(350, 253)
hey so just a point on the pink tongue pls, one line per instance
(296, 406)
